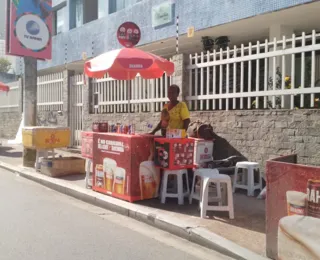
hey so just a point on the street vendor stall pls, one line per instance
(122, 161)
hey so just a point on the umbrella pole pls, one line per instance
(129, 98)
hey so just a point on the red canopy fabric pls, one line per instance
(125, 64)
(4, 87)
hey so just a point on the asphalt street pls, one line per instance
(37, 223)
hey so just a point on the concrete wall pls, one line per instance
(10, 122)
(99, 36)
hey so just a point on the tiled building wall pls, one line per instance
(98, 36)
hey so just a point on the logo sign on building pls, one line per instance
(128, 34)
(163, 14)
(29, 26)
(190, 32)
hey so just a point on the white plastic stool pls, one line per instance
(203, 173)
(88, 171)
(218, 179)
(180, 193)
(250, 186)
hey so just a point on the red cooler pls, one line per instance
(123, 166)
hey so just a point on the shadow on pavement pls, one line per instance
(78, 177)
(249, 212)
(5, 152)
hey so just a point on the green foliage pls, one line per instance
(5, 65)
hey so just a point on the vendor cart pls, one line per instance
(122, 163)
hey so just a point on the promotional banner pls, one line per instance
(123, 166)
(29, 27)
(293, 210)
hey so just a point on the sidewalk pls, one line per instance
(241, 238)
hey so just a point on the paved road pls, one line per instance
(37, 223)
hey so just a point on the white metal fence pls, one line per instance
(276, 74)
(50, 92)
(10, 101)
(111, 96)
(76, 105)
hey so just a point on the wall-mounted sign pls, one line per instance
(163, 14)
(84, 56)
(128, 34)
(190, 32)
(29, 26)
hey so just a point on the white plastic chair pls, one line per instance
(248, 184)
(201, 173)
(218, 179)
(181, 194)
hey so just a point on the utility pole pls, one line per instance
(30, 104)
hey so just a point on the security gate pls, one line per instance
(76, 104)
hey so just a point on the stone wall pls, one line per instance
(10, 122)
(256, 134)
(50, 118)
(264, 134)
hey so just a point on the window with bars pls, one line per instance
(117, 5)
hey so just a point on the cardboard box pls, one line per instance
(58, 167)
(176, 133)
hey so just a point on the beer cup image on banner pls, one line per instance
(298, 238)
(99, 176)
(296, 203)
(149, 177)
(109, 167)
(119, 181)
(313, 199)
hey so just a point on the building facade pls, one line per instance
(89, 26)
(259, 88)
(251, 68)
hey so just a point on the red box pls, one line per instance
(174, 153)
(284, 175)
(87, 144)
(123, 166)
(100, 127)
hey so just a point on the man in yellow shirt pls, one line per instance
(175, 114)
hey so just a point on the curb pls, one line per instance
(175, 226)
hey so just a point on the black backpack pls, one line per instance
(200, 130)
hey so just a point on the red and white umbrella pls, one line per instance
(127, 63)
(4, 87)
